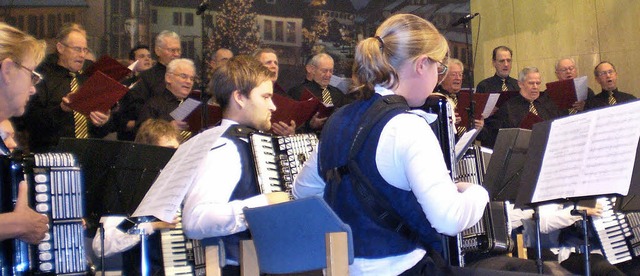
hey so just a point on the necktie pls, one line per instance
(459, 129)
(572, 111)
(81, 129)
(612, 100)
(184, 134)
(326, 97)
(532, 109)
(504, 85)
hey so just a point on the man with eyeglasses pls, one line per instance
(179, 80)
(321, 66)
(566, 70)
(450, 86)
(500, 81)
(607, 77)
(151, 82)
(48, 116)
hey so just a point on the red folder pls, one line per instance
(562, 93)
(109, 67)
(194, 120)
(530, 120)
(288, 109)
(323, 110)
(505, 96)
(98, 93)
(464, 102)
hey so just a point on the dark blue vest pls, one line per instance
(246, 187)
(370, 239)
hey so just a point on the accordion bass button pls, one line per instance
(47, 237)
(45, 256)
(46, 266)
(40, 178)
(45, 246)
(42, 208)
(41, 188)
(42, 198)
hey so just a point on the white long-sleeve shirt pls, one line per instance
(115, 240)
(408, 157)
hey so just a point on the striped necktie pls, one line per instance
(80, 123)
(504, 85)
(326, 97)
(532, 109)
(461, 128)
(612, 100)
(184, 134)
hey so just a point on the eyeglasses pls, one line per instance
(442, 69)
(454, 74)
(184, 76)
(76, 49)
(608, 72)
(35, 76)
(567, 69)
(173, 50)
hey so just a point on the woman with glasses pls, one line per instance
(405, 196)
(19, 54)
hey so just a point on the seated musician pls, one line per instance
(19, 55)
(117, 239)
(401, 159)
(560, 239)
(226, 183)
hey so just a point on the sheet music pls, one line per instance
(581, 87)
(133, 65)
(491, 104)
(464, 143)
(590, 153)
(184, 109)
(166, 194)
(341, 83)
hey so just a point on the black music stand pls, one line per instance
(506, 164)
(117, 174)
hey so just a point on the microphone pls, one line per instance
(204, 5)
(465, 19)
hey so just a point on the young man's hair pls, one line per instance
(241, 73)
(152, 130)
(132, 53)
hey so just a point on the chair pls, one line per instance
(297, 236)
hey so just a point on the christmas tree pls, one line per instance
(235, 28)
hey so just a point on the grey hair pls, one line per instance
(165, 34)
(525, 71)
(458, 62)
(171, 67)
(316, 59)
(565, 58)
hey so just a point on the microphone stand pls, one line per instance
(204, 98)
(467, 31)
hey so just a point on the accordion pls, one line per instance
(279, 159)
(180, 255)
(56, 190)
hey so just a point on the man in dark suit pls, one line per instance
(607, 77)
(500, 81)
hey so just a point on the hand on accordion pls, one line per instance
(277, 197)
(33, 226)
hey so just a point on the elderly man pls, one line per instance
(514, 111)
(501, 81)
(151, 81)
(451, 85)
(179, 80)
(321, 66)
(607, 77)
(566, 70)
(48, 116)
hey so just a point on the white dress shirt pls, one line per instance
(207, 210)
(115, 240)
(409, 157)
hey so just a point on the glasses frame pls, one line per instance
(173, 51)
(184, 76)
(35, 76)
(442, 68)
(83, 50)
(564, 70)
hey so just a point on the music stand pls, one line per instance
(117, 174)
(506, 164)
(631, 202)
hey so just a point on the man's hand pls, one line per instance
(579, 105)
(594, 212)
(98, 118)
(180, 125)
(463, 186)
(33, 226)
(479, 124)
(277, 197)
(317, 123)
(64, 105)
(458, 119)
(282, 129)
